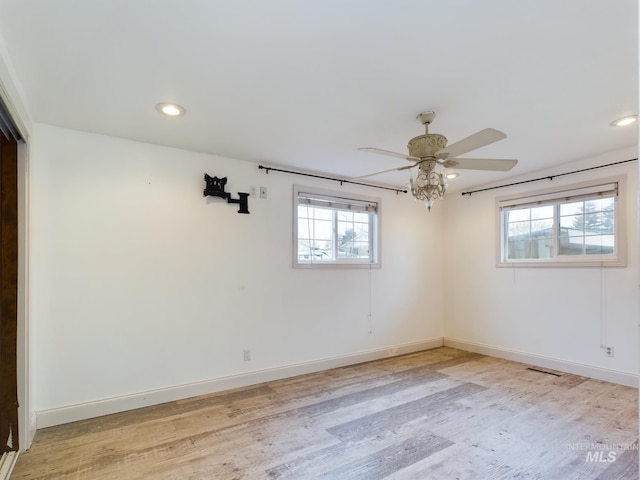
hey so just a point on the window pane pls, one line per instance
(354, 250)
(531, 237)
(345, 216)
(322, 229)
(518, 249)
(608, 203)
(361, 217)
(315, 227)
(600, 204)
(599, 244)
(571, 208)
(518, 215)
(543, 247)
(519, 228)
(542, 227)
(542, 212)
(530, 249)
(353, 236)
(323, 213)
(304, 211)
(310, 251)
(571, 245)
(571, 225)
(601, 222)
(304, 228)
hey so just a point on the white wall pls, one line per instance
(139, 283)
(546, 314)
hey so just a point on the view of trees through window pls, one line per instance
(587, 228)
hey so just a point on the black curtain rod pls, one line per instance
(341, 180)
(549, 177)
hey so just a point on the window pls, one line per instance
(334, 229)
(582, 225)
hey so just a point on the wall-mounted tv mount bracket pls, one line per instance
(215, 188)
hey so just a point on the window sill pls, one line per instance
(336, 265)
(564, 263)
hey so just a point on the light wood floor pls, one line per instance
(440, 414)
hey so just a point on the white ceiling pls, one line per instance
(303, 83)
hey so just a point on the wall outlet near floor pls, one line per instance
(246, 355)
(608, 351)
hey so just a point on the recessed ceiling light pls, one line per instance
(451, 175)
(171, 109)
(624, 121)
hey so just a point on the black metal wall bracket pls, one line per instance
(215, 188)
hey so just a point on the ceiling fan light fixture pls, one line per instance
(171, 109)
(428, 185)
(625, 121)
(430, 153)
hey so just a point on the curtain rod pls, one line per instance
(549, 177)
(341, 180)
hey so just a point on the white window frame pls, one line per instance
(329, 198)
(556, 196)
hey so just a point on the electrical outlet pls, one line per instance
(263, 192)
(608, 351)
(246, 355)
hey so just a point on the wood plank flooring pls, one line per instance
(440, 414)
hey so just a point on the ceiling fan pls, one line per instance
(430, 150)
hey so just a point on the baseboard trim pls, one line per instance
(82, 411)
(613, 376)
(7, 463)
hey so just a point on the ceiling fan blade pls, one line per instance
(384, 171)
(494, 164)
(389, 153)
(472, 142)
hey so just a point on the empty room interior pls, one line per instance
(319, 239)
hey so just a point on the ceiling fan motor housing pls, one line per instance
(427, 145)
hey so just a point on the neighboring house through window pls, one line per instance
(335, 229)
(581, 225)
